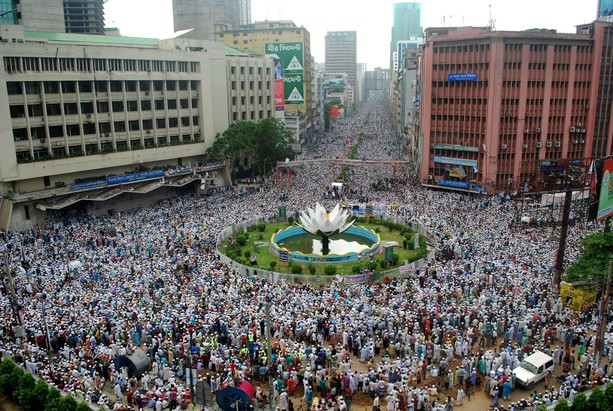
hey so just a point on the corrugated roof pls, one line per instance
(92, 39)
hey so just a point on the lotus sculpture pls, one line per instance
(319, 222)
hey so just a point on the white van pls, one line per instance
(533, 369)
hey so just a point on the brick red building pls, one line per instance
(494, 102)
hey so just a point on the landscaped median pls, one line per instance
(250, 247)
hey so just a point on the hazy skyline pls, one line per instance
(371, 20)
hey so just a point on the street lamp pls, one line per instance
(188, 361)
(43, 297)
(18, 328)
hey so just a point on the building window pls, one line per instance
(46, 181)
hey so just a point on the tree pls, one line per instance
(593, 263)
(53, 400)
(598, 400)
(264, 142)
(580, 403)
(68, 403)
(82, 406)
(40, 395)
(562, 405)
(25, 391)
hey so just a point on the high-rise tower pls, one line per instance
(341, 54)
(407, 24)
(203, 15)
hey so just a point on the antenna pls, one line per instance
(491, 24)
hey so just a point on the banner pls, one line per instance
(605, 200)
(406, 269)
(279, 95)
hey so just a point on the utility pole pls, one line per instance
(562, 245)
(604, 302)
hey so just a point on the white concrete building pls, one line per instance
(81, 108)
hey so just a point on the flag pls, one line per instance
(278, 173)
(461, 172)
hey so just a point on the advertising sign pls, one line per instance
(290, 53)
(294, 88)
(283, 257)
(576, 298)
(605, 201)
(289, 68)
(456, 161)
(279, 95)
(336, 85)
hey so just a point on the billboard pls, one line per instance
(289, 68)
(336, 85)
(290, 53)
(294, 88)
(605, 200)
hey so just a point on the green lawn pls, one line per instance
(264, 256)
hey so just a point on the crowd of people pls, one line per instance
(424, 342)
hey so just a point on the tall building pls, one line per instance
(55, 16)
(84, 16)
(78, 112)
(203, 15)
(499, 101)
(406, 26)
(605, 8)
(290, 47)
(41, 15)
(341, 54)
(376, 83)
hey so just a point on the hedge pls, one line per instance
(34, 395)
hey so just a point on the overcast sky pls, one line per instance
(372, 19)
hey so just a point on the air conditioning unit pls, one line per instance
(106, 134)
(526, 131)
(558, 144)
(583, 130)
(538, 144)
(549, 144)
(525, 145)
(582, 141)
(572, 129)
(88, 116)
(537, 130)
(43, 141)
(578, 125)
(575, 141)
(146, 93)
(503, 146)
(430, 177)
(148, 131)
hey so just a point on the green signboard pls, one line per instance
(290, 53)
(282, 211)
(389, 254)
(293, 88)
(605, 201)
(291, 56)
